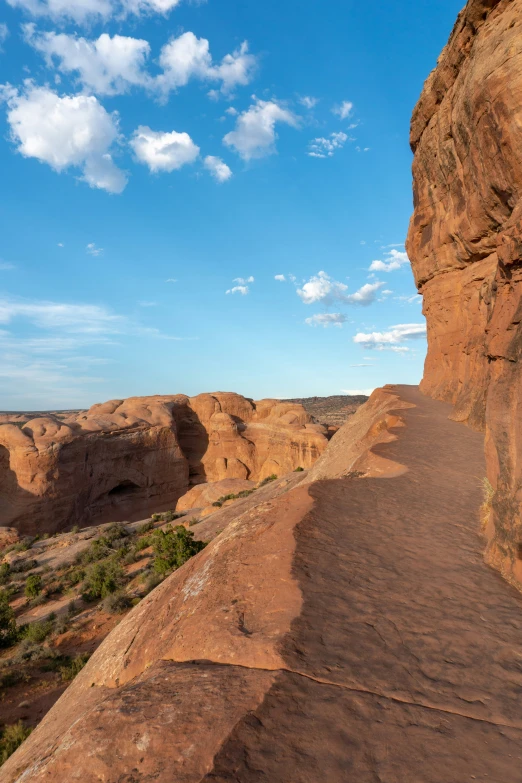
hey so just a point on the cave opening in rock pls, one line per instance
(125, 488)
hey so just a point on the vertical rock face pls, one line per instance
(465, 245)
(124, 459)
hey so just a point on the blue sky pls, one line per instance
(165, 164)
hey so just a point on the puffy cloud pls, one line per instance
(366, 295)
(73, 131)
(281, 278)
(254, 135)
(321, 288)
(82, 11)
(238, 289)
(358, 392)
(188, 57)
(107, 66)
(392, 339)
(327, 319)
(322, 147)
(243, 280)
(396, 259)
(344, 110)
(217, 168)
(93, 250)
(308, 102)
(163, 151)
(231, 111)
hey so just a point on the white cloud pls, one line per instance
(74, 318)
(171, 280)
(218, 168)
(254, 135)
(392, 339)
(73, 131)
(93, 250)
(4, 33)
(188, 57)
(281, 278)
(327, 319)
(60, 244)
(82, 11)
(412, 299)
(244, 280)
(358, 392)
(344, 110)
(365, 295)
(238, 289)
(233, 112)
(361, 365)
(163, 151)
(321, 288)
(322, 147)
(107, 66)
(308, 102)
(396, 259)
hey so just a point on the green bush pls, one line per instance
(8, 630)
(298, 470)
(5, 573)
(73, 666)
(117, 603)
(268, 479)
(173, 547)
(147, 526)
(142, 543)
(102, 579)
(245, 493)
(33, 586)
(11, 738)
(37, 632)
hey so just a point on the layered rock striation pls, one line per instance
(124, 459)
(465, 245)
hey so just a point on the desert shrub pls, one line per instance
(22, 566)
(102, 579)
(33, 586)
(31, 651)
(10, 679)
(73, 666)
(96, 551)
(267, 480)
(151, 581)
(194, 521)
(299, 470)
(5, 573)
(147, 526)
(169, 516)
(8, 630)
(117, 603)
(142, 543)
(245, 493)
(217, 504)
(115, 532)
(75, 529)
(11, 738)
(173, 547)
(37, 632)
(488, 493)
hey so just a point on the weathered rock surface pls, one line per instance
(300, 644)
(465, 244)
(124, 459)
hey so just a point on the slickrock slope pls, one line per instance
(344, 630)
(127, 458)
(465, 244)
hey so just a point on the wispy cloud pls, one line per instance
(6, 266)
(343, 110)
(308, 101)
(327, 319)
(392, 339)
(92, 250)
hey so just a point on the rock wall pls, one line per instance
(127, 458)
(465, 245)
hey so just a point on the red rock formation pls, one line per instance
(465, 244)
(127, 458)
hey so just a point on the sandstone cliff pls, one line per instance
(465, 244)
(127, 458)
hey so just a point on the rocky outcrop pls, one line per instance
(127, 458)
(465, 245)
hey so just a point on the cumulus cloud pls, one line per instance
(93, 250)
(358, 392)
(395, 260)
(392, 339)
(73, 131)
(308, 102)
(327, 319)
(82, 11)
(321, 288)
(163, 151)
(281, 278)
(107, 66)
(322, 147)
(218, 168)
(254, 135)
(238, 289)
(243, 280)
(343, 110)
(188, 57)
